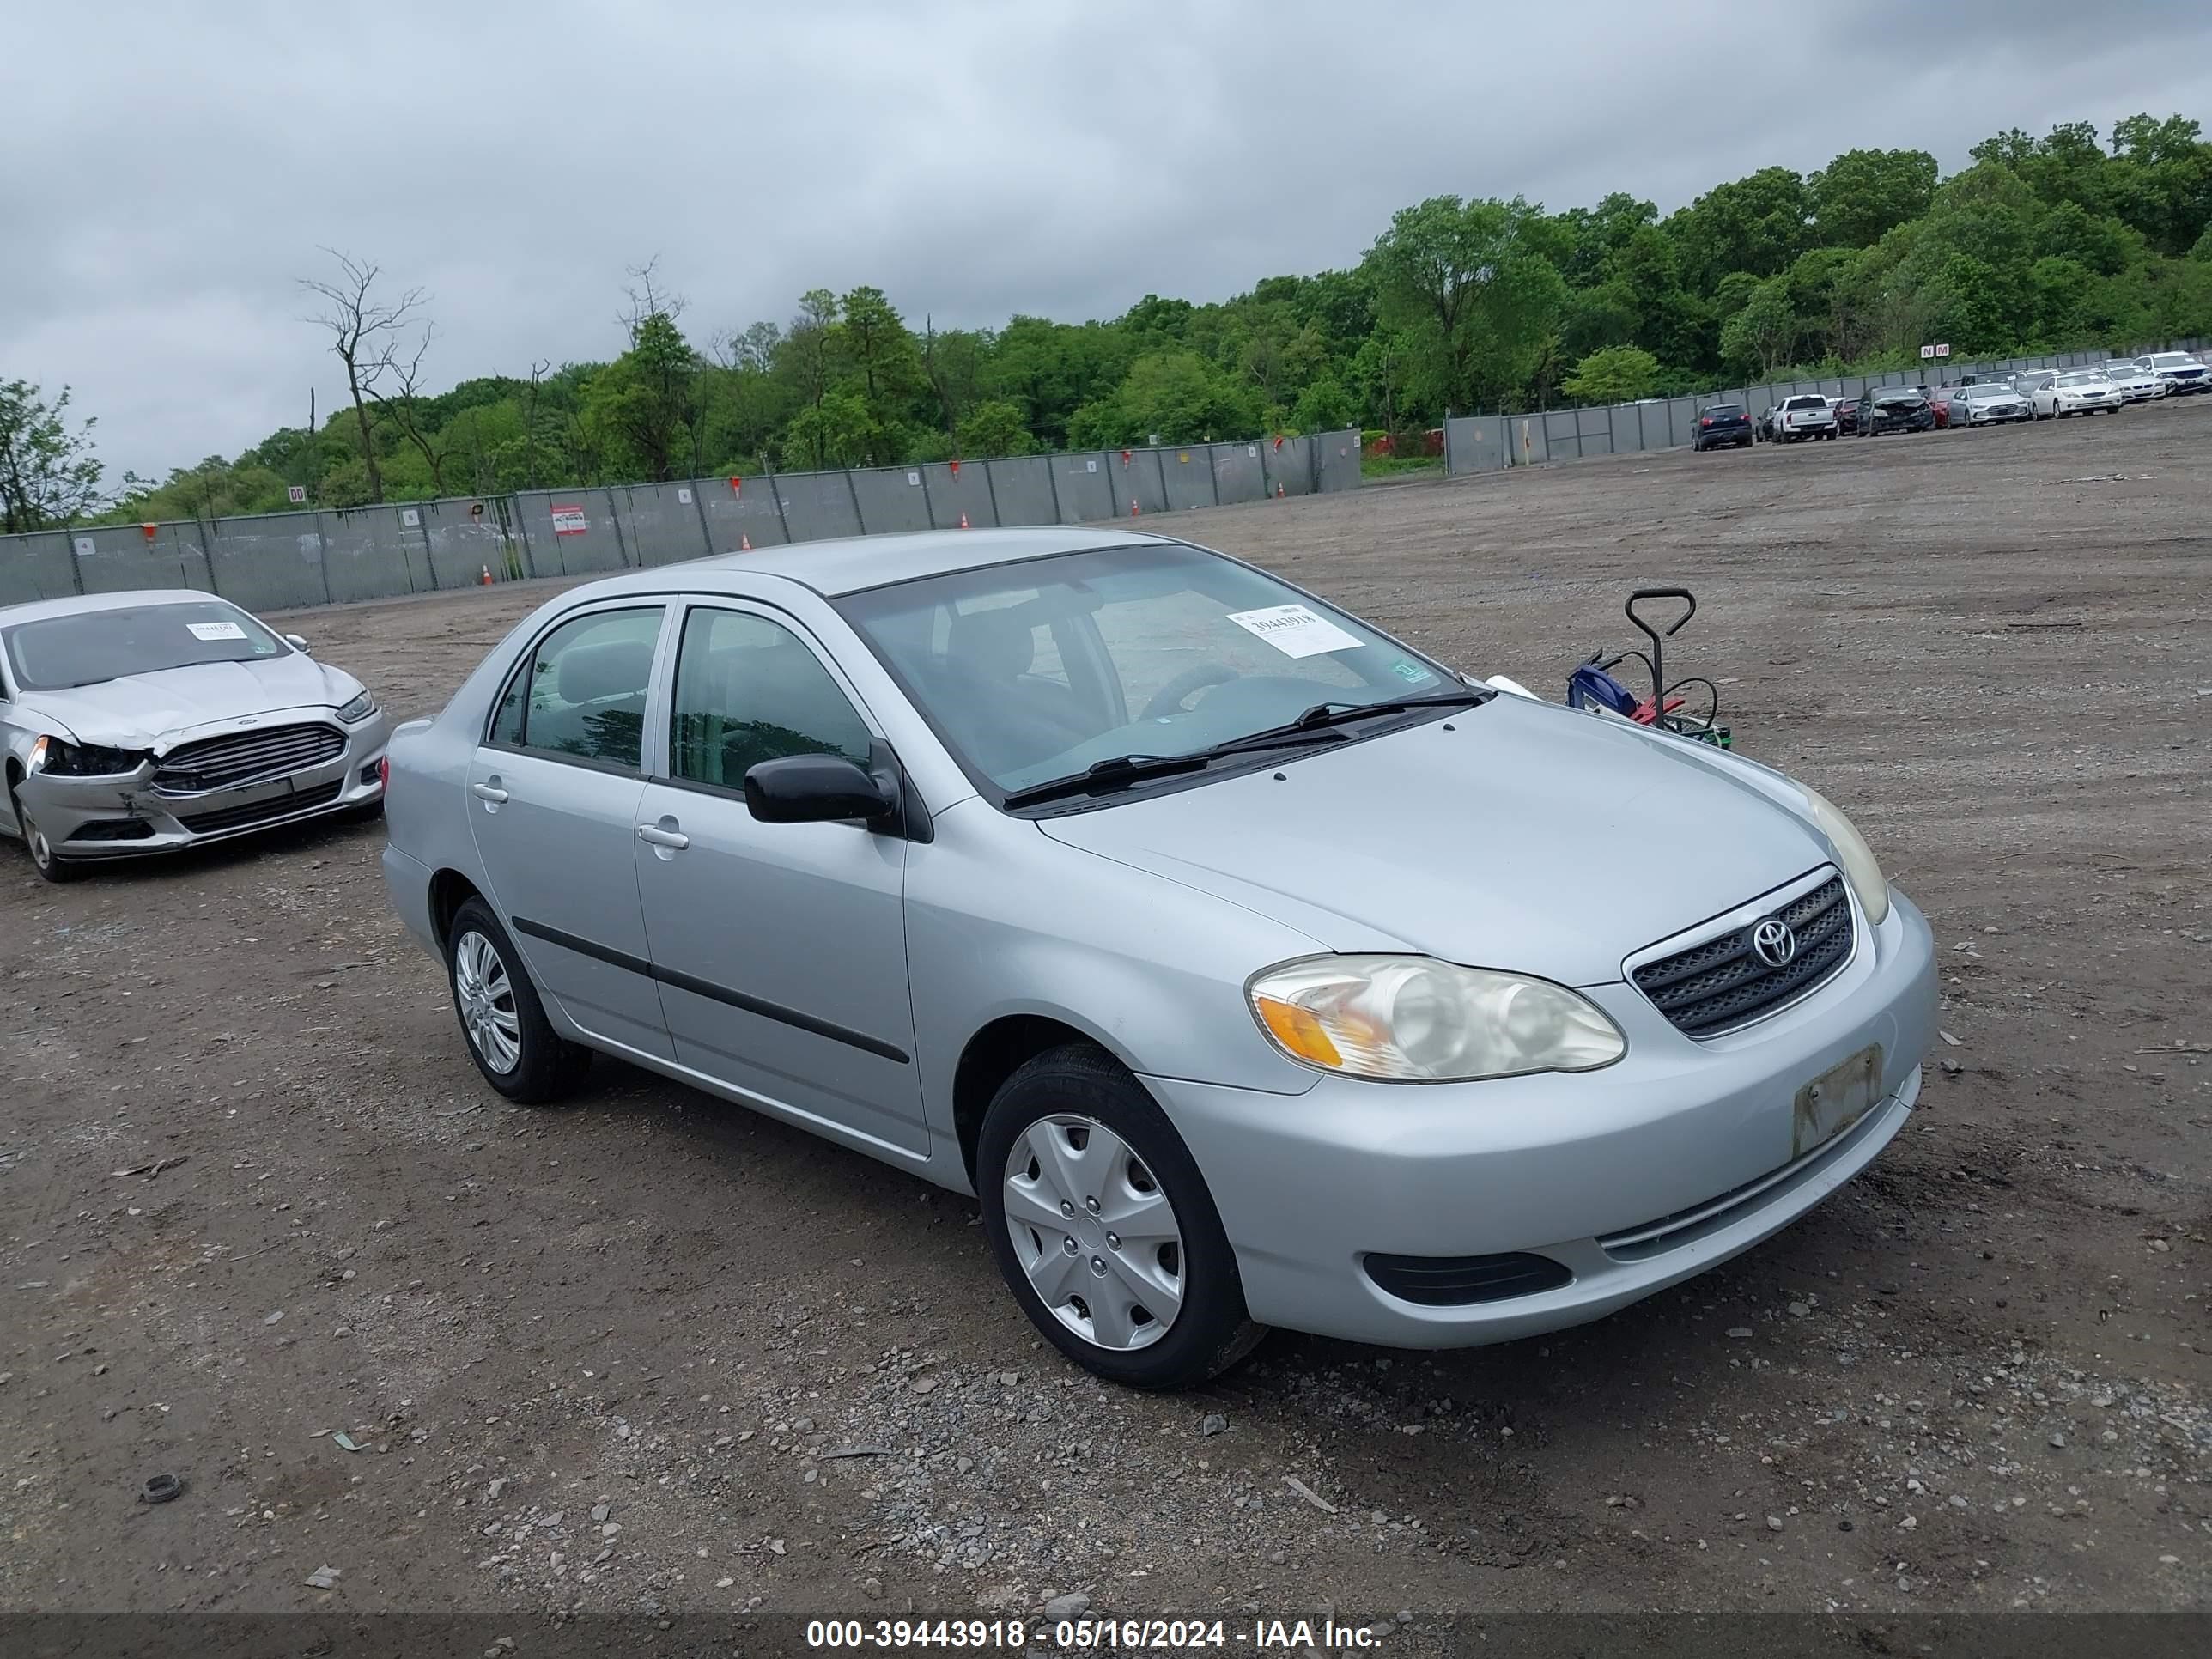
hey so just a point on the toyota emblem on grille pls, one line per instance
(1774, 942)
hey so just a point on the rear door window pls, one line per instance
(580, 695)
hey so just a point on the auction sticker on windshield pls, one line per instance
(217, 630)
(1294, 630)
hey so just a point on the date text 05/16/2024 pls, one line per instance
(1091, 1635)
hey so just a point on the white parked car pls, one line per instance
(2077, 392)
(1805, 415)
(2180, 371)
(2137, 385)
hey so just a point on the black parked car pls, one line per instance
(1847, 414)
(1722, 423)
(1896, 409)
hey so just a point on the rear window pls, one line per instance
(1726, 411)
(1806, 403)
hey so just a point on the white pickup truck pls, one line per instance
(1806, 415)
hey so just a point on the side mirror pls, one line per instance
(299, 645)
(817, 789)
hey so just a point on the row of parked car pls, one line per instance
(2035, 395)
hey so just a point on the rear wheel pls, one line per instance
(1102, 1226)
(48, 863)
(510, 1039)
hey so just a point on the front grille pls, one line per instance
(1715, 986)
(234, 818)
(242, 757)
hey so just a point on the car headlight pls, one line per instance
(1860, 866)
(358, 710)
(83, 760)
(1414, 1020)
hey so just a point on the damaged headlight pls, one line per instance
(83, 760)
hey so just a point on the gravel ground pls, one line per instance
(648, 1355)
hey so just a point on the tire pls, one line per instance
(544, 1065)
(48, 863)
(1078, 1094)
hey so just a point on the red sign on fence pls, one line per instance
(569, 520)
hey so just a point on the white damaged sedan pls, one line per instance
(135, 723)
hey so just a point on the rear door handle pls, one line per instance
(491, 792)
(654, 835)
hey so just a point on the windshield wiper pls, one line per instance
(1112, 773)
(1319, 722)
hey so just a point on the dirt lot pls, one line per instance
(605, 1358)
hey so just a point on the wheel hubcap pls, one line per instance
(485, 996)
(1094, 1232)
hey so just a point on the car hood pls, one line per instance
(151, 711)
(1531, 837)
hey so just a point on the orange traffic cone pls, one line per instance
(1279, 489)
(486, 580)
(964, 520)
(1133, 507)
(745, 543)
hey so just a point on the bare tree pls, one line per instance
(364, 330)
(647, 298)
(403, 407)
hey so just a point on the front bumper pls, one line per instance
(1632, 1178)
(127, 817)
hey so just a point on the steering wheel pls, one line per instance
(1168, 699)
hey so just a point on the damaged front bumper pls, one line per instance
(130, 814)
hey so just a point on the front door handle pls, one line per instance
(654, 835)
(488, 792)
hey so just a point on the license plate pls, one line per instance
(1835, 1100)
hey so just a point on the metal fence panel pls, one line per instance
(746, 513)
(1139, 484)
(1085, 487)
(1288, 464)
(1478, 444)
(271, 562)
(958, 490)
(1682, 421)
(1021, 489)
(1653, 428)
(122, 557)
(1595, 428)
(660, 522)
(1188, 475)
(1336, 465)
(892, 499)
(1562, 434)
(365, 556)
(571, 532)
(817, 505)
(1526, 442)
(36, 567)
(465, 541)
(1239, 474)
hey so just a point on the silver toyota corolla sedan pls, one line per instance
(1250, 966)
(136, 723)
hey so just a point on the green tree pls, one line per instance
(1175, 395)
(881, 364)
(1473, 284)
(1325, 405)
(640, 410)
(836, 432)
(1618, 375)
(1762, 336)
(1863, 193)
(1756, 224)
(49, 472)
(995, 427)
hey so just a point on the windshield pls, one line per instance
(1990, 389)
(1040, 669)
(85, 648)
(1907, 395)
(2081, 379)
(2174, 360)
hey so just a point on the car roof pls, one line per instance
(81, 604)
(851, 564)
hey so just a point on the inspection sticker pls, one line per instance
(217, 630)
(1294, 630)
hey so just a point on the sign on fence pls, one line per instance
(569, 522)
(297, 494)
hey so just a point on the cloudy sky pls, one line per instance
(169, 172)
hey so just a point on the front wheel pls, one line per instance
(1104, 1228)
(46, 861)
(510, 1039)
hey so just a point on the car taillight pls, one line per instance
(384, 771)
(1708, 420)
